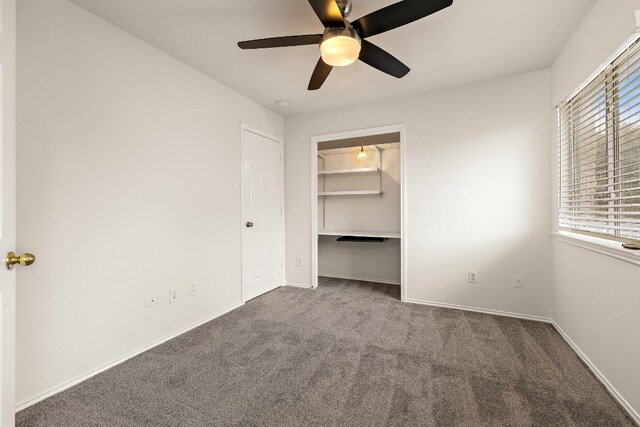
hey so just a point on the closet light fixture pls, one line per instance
(362, 156)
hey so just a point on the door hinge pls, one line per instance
(280, 158)
(281, 263)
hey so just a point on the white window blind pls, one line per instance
(599, 153)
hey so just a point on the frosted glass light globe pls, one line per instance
(340, 46)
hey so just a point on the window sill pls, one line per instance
(602, 246)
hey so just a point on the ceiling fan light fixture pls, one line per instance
(340, 47)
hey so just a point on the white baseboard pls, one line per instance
(482, 310)
(361, 279)
(599, 375)
(68, 384)
(298, 285)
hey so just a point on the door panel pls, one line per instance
(255, 190)
(262, 203)
(7, 212)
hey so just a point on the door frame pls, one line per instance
(245, 128)
(358, 133)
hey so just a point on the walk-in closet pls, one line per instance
(359, 208)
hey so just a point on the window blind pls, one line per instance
(599, 153)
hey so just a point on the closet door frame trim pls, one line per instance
(358, 133)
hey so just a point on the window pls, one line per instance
(599, 153)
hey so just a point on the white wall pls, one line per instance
(596, 301)
(595, 296)
(126, 166)
(604, 29)
(468, 150)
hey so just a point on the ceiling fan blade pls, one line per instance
(397, 15)
(319, 75)
(382, 60)
(328, 12)
(281, 42)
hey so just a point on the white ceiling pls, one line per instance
(471, 41)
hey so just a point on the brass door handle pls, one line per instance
(13, 259)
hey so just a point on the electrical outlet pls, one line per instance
(152, 300)
(298, 262)
(173, 296)
(518, 281)
(194, 289)
(473, 277)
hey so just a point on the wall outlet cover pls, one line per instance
(518, 281)
(173, 296)
(194, 289)
(473, 277)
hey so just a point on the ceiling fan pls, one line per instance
(343, 42)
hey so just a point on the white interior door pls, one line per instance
(262, 214)
(7, 211)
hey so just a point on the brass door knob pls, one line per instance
(13, 259)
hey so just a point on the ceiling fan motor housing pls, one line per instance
(345, 7)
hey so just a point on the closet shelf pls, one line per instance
(348, 171)
(351, 193)
(382, 234)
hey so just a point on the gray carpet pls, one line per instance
(347, 354)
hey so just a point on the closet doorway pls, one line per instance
(358, 224)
